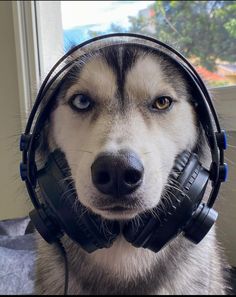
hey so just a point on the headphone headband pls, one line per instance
(216, 138)
(54, 216)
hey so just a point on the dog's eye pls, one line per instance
(162, 103)
(80, 102)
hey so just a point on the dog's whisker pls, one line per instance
(79, 150)
(167, 198)
(177, 189)
(68, 194)
(173, 182)
(154, 213)
(83, 151)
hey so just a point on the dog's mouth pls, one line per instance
(117, 211)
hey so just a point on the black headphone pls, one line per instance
(58, 210)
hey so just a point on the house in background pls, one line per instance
(211, 78)
(224, 75)
(228, 71)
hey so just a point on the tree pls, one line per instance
(204, 30)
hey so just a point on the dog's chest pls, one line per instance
(121, 268)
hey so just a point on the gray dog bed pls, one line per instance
(17, 258)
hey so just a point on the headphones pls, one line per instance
(57, 210)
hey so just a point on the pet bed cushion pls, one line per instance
(17, 258)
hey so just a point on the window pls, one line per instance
(204, 31)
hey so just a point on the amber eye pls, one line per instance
(162, 103)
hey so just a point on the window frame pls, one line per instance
(27, 54)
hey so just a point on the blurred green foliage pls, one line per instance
(203, 30)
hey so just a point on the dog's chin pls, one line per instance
(121, 208)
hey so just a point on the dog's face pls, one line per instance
(122, 117)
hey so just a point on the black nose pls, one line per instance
(117, 174)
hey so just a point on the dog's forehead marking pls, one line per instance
(103, 74)
(119, 74)
(147, 80)
(97, 79)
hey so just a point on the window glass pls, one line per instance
(204, 31)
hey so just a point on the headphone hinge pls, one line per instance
(24, 142)
(23, 171)
(221, 139)
(223, 172)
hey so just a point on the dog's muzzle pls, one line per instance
(117, 174)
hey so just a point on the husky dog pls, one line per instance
(125, 99)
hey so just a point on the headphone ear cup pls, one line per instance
(140, 234)
(44, 225)
(74, 219)
(200, 224)
(91, 233)
(188, 180)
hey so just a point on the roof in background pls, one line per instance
(208, 75)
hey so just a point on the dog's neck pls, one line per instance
(122, 266)
(126, 269)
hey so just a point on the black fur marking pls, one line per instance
(120, 58)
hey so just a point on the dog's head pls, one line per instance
(121, 118)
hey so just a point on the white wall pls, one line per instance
(13, 201)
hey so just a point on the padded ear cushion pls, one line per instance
(187, 183)
(84, 227)
(59, 158)
(186, 167)
(179, 165)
